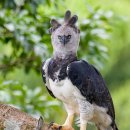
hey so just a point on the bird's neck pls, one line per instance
(64, 56)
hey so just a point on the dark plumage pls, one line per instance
(86, 78)
(44, 80)
(91, 85)
(54, 65)
(67, 16)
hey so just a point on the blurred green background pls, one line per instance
(25, 43)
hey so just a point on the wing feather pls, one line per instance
(91, 84)
(45, 76)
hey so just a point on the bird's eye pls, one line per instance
(59, 37)
(69, 36)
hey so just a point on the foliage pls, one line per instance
(120, 68)
(122, 103)
(94, 33)
(25, 43)
(26, 33)
(23, 33)
(27, 99)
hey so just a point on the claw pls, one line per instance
(51, 124)
(55, 126)
(77, 122)
(60, 127)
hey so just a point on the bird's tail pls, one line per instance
(114, 127)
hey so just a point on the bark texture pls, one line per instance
(13, 119)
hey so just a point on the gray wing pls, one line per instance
(91, 85)
(45, 76)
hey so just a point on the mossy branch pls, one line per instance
(12, 118)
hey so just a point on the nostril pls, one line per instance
(59, 37)
(69, 36)
(64, 39)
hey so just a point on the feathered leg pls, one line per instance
(69, 120)
(83, 126)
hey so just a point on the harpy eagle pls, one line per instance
(75, 82)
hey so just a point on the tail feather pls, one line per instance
(114, 126)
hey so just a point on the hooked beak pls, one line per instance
(63, 39)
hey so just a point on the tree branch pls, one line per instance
(13, 119)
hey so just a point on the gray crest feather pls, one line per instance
(70, 21)
(73, 20)
(67, 16)
(54, 23)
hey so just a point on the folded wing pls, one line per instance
(91, 85)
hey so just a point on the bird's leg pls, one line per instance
(69, 120)
(66, 126)
(83, 126)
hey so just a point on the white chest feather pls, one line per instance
(63, 90)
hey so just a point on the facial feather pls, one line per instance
(65, 37)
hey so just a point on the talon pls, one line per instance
(51, 124)
(60, 127)
(66, 127)
(54, 126)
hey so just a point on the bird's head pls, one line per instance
(65, 37)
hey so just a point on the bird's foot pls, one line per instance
(55, 126)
